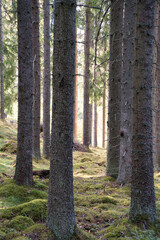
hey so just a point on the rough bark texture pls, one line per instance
(24, 173)
(86, 108)
(143, 206)
(114, 105)
(156, 90)
(104, 116)
(61, 217)
(75, 123)
(1, 63)
(124, 175)
(95, 126)
(36, 66)
(46, 83)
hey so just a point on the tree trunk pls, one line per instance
(36, 72)
(23, 172)
(46, 84)
(86, 108)
(75, 98)
(61, 217)
(114, 105)
(95, 126)
(143, 208)
(104, 116)
(1, 63)
(124, 175)
(156, 91)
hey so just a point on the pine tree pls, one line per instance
(143, 206)
(127, 92)
(36, 71)
(86, 107)
(1, 63)
(46, 85)
(61, 217)
(114, 105)
(23, 172)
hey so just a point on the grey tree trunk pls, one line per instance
(46, 84)
(124, 175)
(95, 126)
(61, 217)
(156, 90)
(86, 107)
(75, 122)
(1, 63)
(24, 173)
(114, 105)
(143, 208)
(104, 115)
(36, 71)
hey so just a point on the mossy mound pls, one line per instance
(10, 147)
(21, 238)
(20, 223)
(36, 210)
(14, 194)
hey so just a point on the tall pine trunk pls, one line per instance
(114, 105)
(36, 72)
(143, 208)
(86, 107)
(75, 97)
(61, 217)
(156, 90)
(124, 175)
(23, 172)
(1, 63)
(46, 84)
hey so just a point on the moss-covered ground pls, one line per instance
(101, 205)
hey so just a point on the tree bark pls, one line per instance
(36, 72)
(156, 91)
(76, 97)
(143, 208)
(23, 172)
(124, 175)
(104, 116)
(95, 126)
(61, 217)
(114, 105)
(46, 84)
(86, 108)
(1, 63)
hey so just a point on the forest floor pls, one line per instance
(101, 205)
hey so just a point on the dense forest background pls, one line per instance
(79, 140)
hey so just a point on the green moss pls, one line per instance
(105, 199)
(36, 228)
(10, 147)
(21, 238)
(14, 194)
(2, 235)
(82, 235)
(36, 210)
(20, 223)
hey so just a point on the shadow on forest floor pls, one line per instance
(101, 205)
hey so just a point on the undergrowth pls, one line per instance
(101, 205)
